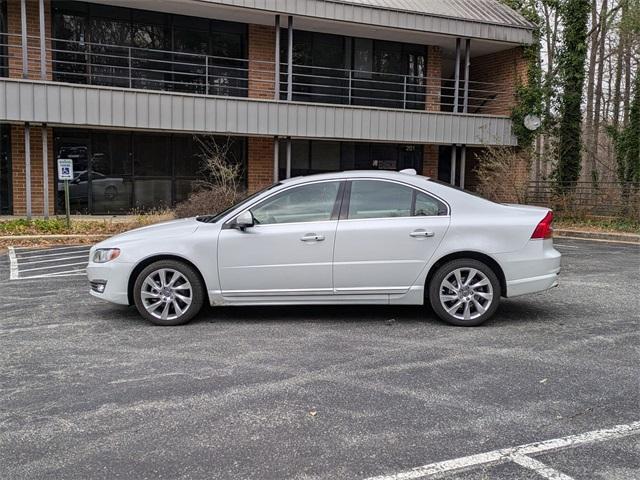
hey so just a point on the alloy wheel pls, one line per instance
(166, 294)
(466, 293)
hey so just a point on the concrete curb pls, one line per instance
(54, 237)
(599, 236)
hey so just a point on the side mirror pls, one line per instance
(244, 220)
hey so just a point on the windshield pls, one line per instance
(218, 216)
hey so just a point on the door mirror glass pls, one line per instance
(244, 220)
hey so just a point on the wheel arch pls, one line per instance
(156, 258)
(481, 257)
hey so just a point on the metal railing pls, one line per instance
(586, 198)
(153, 69)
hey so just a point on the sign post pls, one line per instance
(65, 173)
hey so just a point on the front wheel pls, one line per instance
(168, 293)
(464, 292)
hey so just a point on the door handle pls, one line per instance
(312, 237)
(421, 234)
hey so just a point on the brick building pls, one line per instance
(123, 88)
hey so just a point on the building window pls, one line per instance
(5, 170)
(124, 47)
(309, 157)
(355, 71)
(116, 172)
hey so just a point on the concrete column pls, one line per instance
(288, 174)
(456, 78)
(27, 168)
(467, 64)
(276, 159)
(45, 170)
(43, 43)
(25, 39)
(276, 93)
(463, 164)
(290, 60)
(454, 161)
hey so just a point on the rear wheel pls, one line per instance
(464, 292)
(168, 292)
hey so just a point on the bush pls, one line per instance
(503, 174)
(208, 202)
(221, 186)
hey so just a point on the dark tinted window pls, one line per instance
(381, 199)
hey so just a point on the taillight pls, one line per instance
(544, 229)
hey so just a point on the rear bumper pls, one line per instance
(533, 269)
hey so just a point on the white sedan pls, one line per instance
(366, 237)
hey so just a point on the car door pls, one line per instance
(386, 234)
(289, 249)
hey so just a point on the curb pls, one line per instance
(627, 238)
(52, 237)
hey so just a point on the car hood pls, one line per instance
(171, 229)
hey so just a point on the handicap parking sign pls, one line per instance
(65, 169)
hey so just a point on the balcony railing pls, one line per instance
(152, 69)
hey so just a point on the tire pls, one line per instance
(168, 293)
(471, 305)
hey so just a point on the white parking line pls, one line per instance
(49, 267)
(540, 468)
(31, 263)
(21, 263)
(22, 256)
(13, 264)
(506, 454)
(51, 249)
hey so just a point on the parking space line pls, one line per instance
(69, 273)
(21, 263)
(13, 264)
(22, 256)
(51, 249)
(49, 267)
(540, 468)
(506, 454)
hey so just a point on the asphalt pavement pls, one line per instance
(90, 390)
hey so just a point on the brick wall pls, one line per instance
(508, 69)
(431, 154)
(259, 163)
(434, 76)
(262, 54)
(14, 28)
(19, 173)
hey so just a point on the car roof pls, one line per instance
(386, 174)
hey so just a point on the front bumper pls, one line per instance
(116, 277)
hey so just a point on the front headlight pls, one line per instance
(104, 255)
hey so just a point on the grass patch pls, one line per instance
(58, 225)
(598, 224)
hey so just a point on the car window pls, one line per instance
(427, 206)
(379, 199)
(374, 199)
(306, 203)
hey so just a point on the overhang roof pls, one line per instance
(485, 11)
(481, 19)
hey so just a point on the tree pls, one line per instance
(572, 72)
(627, 143)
